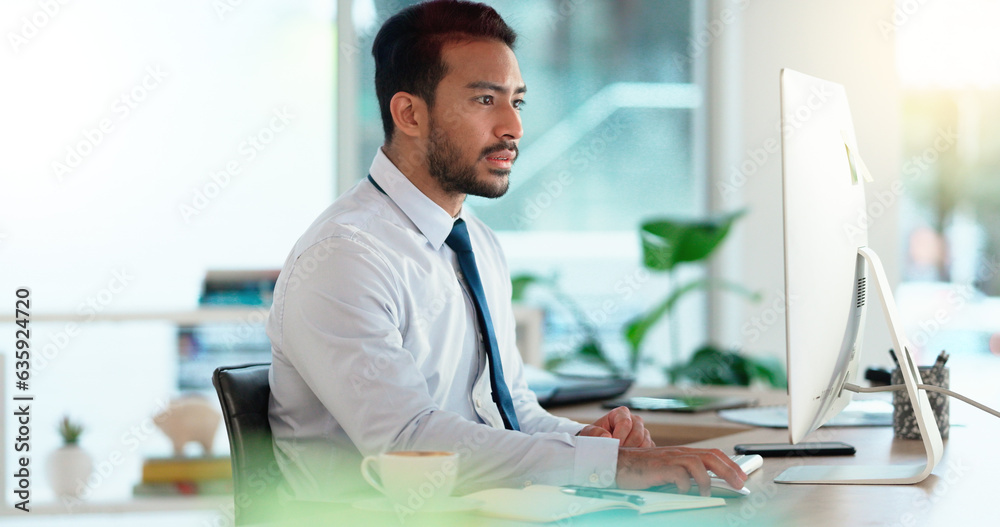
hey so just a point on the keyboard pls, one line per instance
(721, 489)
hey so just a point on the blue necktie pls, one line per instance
(459, 242)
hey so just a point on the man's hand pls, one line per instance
(640, 468)
(621, 424)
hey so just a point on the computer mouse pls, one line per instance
(719, 489)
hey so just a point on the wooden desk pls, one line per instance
(959, 492)
(678, 428)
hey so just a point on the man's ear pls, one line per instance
(409, 114)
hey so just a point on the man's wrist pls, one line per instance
(596, 461)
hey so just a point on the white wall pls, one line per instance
(155, 100)
(846, 42)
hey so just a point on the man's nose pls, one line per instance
(509, 126)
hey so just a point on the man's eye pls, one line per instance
(518, 104)
(485, 99)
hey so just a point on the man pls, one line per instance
(389, 334)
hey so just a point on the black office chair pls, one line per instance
(244, 392)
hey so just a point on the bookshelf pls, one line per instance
(212, 505)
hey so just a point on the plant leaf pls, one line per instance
(710, 365)
(733, 287)
(770, 370)
(519, 283)
(636, 329)
(668, 242)
(553, 363)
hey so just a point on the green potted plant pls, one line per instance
(666, 245)
(69, 466)
(714, 366)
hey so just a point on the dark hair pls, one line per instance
(407, 48)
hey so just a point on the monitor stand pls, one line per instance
(933, 446)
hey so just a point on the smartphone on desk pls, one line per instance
(824, 448)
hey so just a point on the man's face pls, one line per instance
(475, 123)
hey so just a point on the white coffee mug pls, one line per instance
(412, 479)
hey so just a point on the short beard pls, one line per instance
(445, 165)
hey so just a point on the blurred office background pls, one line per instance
(147, 144)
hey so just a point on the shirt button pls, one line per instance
(479, 402)
(527, 483)
(594, 478)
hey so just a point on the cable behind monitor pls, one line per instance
(929, 387)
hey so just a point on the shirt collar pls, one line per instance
(431, 220)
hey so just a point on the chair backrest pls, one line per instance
(244, 392)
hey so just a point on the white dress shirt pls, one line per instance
(375, 347)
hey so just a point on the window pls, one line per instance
(947, 57)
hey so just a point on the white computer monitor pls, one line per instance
(827, 268)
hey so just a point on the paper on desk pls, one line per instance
(857, 413)
(546, 503)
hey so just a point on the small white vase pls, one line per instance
(69, 467)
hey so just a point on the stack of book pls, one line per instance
(185, 476)
(206, 346)
(239, 288)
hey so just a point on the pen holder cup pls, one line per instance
(904, 423)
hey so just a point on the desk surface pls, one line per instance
(958, 491)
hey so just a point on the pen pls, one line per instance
(939, 363)
(587, 492)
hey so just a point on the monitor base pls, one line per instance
(853, 475)
(933, 446)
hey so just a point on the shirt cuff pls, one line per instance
(596, 462)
